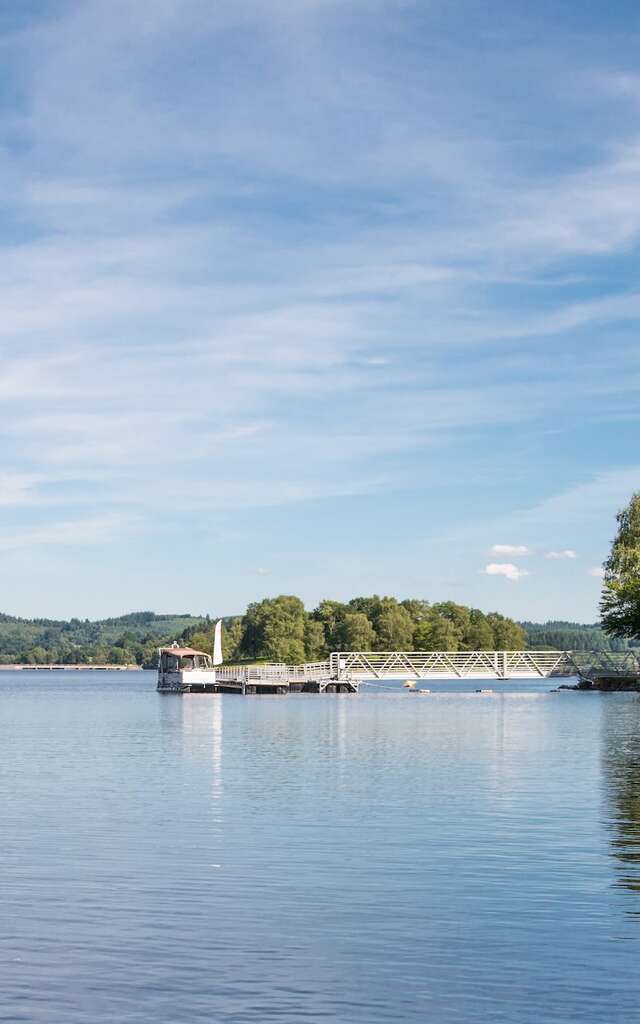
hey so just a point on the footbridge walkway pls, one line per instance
(344, 670)
(523, 665)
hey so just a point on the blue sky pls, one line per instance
(316, 297)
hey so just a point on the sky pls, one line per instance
(322, 297)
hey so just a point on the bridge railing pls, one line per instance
(530, 664)
(589, 664)
(450, 664)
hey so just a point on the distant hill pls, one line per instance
(571, 636)
(126, 639)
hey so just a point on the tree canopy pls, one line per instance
(620, 603)
(280, 628)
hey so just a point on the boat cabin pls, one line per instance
(183, 659)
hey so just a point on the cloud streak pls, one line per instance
(258, 258)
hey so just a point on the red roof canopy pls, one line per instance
(182, 651)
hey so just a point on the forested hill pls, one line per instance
(132, 638)
(572, 636)
(281, 629)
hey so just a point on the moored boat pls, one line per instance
(186, 670)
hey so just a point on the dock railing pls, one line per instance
(277, 672)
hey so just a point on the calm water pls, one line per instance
(387, 857)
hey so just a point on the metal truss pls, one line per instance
(451, 664)
(355, 665)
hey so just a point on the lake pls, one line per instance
(457, 857)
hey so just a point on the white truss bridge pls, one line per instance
(450, 664)
(480, 664)
(344, 670)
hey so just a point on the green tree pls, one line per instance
(418, 610)
(118, 656)
(201, 641)
(369, 606)
(458, 614)
(231, 638)
(331, 615)
(507, 634)
(436, 633)
(39, 655)
(355, 633)
(391, 621)
(314, 642)
(274, 629)
(393, 626)
(479, 634)
(620, 602)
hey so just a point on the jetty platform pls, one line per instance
(272, 679)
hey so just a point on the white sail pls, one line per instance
(217, 644)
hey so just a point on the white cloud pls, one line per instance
(597, 571)
(510, 549)
(506, 569)
(567, 553)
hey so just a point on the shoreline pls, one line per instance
(71, 668)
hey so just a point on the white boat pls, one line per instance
(186, 670)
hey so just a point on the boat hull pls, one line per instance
(194, 681)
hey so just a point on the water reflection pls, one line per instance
(368, 859)
(621, 773)
(201, 733)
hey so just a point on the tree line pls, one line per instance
(281, 629)
(572, 636)
(129, 639)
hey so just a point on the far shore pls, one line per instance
(72, 668)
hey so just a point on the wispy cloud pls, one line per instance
(305, 271)
(66, 533)
(558, 555)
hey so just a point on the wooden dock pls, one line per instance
(251, 680)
